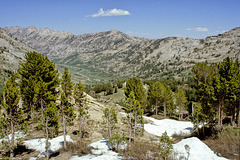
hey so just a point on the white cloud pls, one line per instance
(111, 12)
(198, 29)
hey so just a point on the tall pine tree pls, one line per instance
(12, 119)
(155, 94)
(66, 106)
(134, 84)
(80, 100)
(110, 118)
(181, 101)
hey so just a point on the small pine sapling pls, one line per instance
(165, 146)
(110, 117)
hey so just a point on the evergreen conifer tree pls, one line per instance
(51, 124)
(134, 84)
(165, 146)
(12, 119)
(181, 101)
(129, 109)
(38, 82)
(66, 106)
(110, 116)
(155, 94)
(80, 100)
(138, 119)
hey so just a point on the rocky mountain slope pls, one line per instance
(117, 54)
(11, 52)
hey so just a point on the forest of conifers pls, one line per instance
(212, 95)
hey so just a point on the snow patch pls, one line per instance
(198, 150)
(100, 151)
(40, 144)
(17, 136)
(158, 127)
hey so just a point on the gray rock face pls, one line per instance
(12, 51)
(116, 53)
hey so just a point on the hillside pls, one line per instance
(94, 56)
(11, 53)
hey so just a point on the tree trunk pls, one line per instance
(109, 126)
(42, 107)
(233, 114)
(130, 128)
(12, 140)
(180, 112)
(165, 108)
(192, 108)
(64, 130)
(219, 115)
(135, 124)
(197, 125)
(222, 107)
(156, 107)
(80, 129)
(31, 110)
(238, 113)
(47, 145)
(130, 123)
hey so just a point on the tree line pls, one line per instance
(217, 88)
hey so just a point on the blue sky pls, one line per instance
(142, 18)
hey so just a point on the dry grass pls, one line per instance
(226, 143)
(178, 137)
(77, 148)
(141, 150)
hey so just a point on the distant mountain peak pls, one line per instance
(114, 31)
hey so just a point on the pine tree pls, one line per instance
(207, 79)
(129, 109)
(12, 119)
(117, 139)
(66, 83)
(40, 73)
(66, 106)
(80, 100)
(38, 81)
(218, 89)
(167, 98)
(198, 116)
(155, 94)
(138, 119)
(51, 124)
(181, 101)
(110, 117)
(135, 85)
(235, 90)
(134, 116)
(165, 146)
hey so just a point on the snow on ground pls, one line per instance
(158, 127)
(16, 137)
(100, 151)
(198, 150)
(40, 144)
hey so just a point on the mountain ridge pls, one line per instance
(120, 55)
